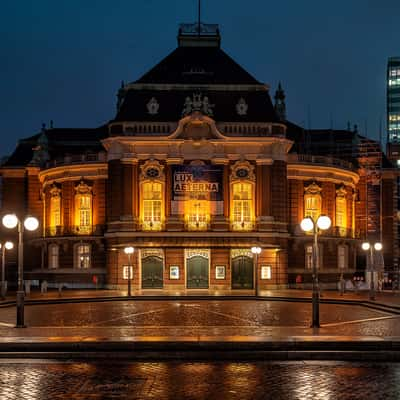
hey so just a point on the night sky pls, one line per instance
(64, 60)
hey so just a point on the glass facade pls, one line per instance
(393, 100)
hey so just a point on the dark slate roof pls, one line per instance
(61, 141)
(134, 107)
(198, 65)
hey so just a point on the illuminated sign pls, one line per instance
(197, 182)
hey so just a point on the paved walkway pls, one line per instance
(276, 322)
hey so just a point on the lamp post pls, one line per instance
(10, 221)
(4, 246)
(129, 251)
(377, 247)
(308, 224)
(256, 251)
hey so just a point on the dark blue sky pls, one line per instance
(64, 60)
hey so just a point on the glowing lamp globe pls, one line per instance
(10, 221)
(129, 250)
(378, 246)
(365, 246)
(9, 245)
(307, 224)
(256, 250)
(324, 222)
(31, 223)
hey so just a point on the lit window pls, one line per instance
(82, 257)
(152, 205)
(341, 210)
(53, 256)
(83, 208)
(342, 256)
(55, 209)
(242, 210)
(84, 213)
(312, 201)
(197, 214)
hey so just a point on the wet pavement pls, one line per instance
(197, 317)
(35, 379)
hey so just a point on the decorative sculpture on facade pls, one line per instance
(153, 106)
(242, 107)
(197, 103)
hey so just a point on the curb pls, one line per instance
(207, 350)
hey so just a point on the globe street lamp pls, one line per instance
(4, 246)
(129, 251)
(10, 221)
(307, 224)
(256, 251)
(377, 247)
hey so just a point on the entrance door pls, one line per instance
(197, 272)
(152, 272)
(242, 272)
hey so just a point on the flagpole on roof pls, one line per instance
(199, 21)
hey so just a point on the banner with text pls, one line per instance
(197, 182)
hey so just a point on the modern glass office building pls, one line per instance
(393, 100)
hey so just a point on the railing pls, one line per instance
(77, 159)
(251, 129)
(322, 160)
(93, 230)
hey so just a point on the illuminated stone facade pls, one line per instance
(196, 168)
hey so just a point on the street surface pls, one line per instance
(45, 380)
(197, 317)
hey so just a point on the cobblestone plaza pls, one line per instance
(31, 380)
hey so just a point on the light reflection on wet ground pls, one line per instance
(34, 379)
(240, 317)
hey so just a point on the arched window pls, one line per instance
(242, 210)
(312, 201)
(341, 210)
(53, 256)
(83, 255)
(83, 209)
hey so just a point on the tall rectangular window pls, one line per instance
(82, 256)
(342, 257)
(309, 255)
(242, 212)
(83, 213)
(55, 211)
(312, 206)
(152, 205)
(53, 256)
(197, 214)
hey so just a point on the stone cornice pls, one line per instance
(264, 149)
(74, 172)
(322, 173)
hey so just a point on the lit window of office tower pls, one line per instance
(393, 100)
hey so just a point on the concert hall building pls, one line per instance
(197, 166)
